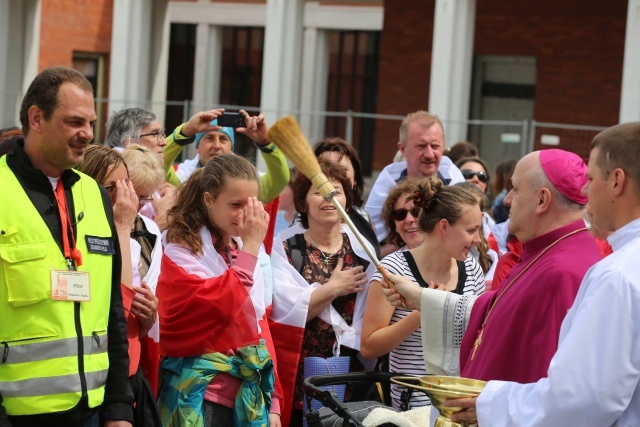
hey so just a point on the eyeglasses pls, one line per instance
(469, 174)
(401, 214)
(144, 200)
(158, 134)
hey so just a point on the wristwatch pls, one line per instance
(268, 148)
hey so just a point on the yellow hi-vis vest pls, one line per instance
(51, 352)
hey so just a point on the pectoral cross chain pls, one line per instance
(477, 344)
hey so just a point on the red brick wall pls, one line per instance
(578, 46)
(74, 25)
(404, 69)
(80, 26)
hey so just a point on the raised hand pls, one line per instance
(347, 281)
(437, 286)
(256, 128)
(125, 209)
(252, 225)
(201, 122)
(161, 205)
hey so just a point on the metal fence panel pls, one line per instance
(496, 139)
(574, 138)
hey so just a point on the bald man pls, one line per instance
(512, 334)
(594, 377)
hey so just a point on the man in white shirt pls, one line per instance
(422, 144)
(594, 377)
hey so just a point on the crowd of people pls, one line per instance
(140, 292)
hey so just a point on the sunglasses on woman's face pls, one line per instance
(401, 214)
(469, 174)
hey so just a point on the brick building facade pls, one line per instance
(578, 60)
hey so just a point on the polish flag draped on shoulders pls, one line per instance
(204, 307)
(287, 320)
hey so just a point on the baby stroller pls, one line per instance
(335, 413)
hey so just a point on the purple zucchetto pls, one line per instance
(566, 171)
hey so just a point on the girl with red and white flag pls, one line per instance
(218, 365)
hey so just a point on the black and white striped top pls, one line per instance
(407, 358)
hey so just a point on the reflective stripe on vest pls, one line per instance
(52, 349)
(39, 337)
(53, 385)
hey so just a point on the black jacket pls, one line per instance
(118, 395)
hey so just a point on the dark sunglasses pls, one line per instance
(401, 214)
(468, 174)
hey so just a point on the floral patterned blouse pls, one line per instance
(319, 337)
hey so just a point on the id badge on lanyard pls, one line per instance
(69, 285)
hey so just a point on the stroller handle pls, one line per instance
(330, 399)
(311, 384)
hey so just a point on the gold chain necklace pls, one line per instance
(506, 288)
(326, 258)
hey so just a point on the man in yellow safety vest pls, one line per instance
(63, 345)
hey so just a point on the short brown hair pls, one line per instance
(408, 186)
(460, 150)
(339, 145)
(437, 202)
(620, 148)
(43, 91)
(425, 119)
(302, 185)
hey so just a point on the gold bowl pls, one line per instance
(439, 388)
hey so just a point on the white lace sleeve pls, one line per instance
(444, 318)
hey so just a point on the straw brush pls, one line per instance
(287, 136)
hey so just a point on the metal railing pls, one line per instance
(496, 139)
(574, 138)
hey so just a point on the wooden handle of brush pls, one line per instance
(385, 274)
(364, 244)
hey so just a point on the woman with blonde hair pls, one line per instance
(146, 174)
(110, 169)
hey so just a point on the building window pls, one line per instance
(182, 53)
(353, 85)
(241, 77)
(92, 66)
(242, 53)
